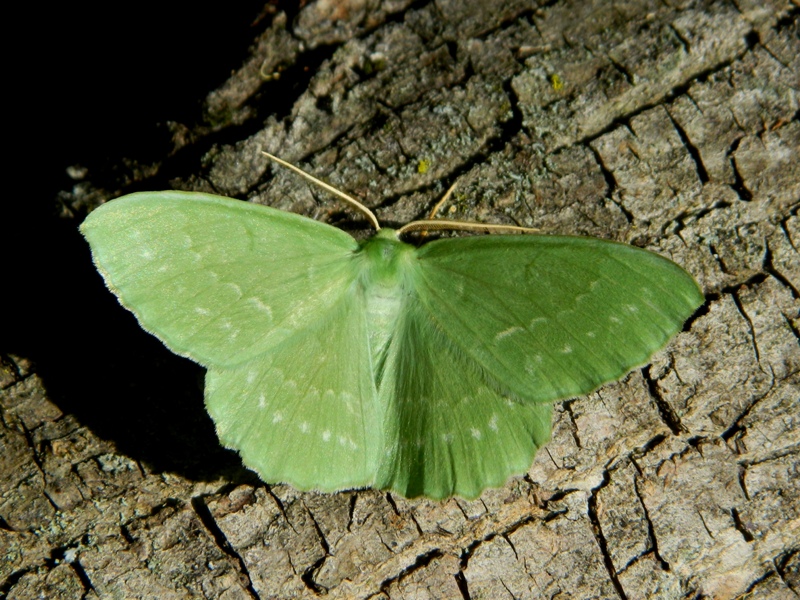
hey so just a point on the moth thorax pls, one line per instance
(387, 260)
(388, 263)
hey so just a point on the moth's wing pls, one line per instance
(218, 280)
(267, 300)
(448, 432)
(305, 412)
(550, 317)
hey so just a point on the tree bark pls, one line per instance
(668, 125)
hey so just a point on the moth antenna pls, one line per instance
(444, 199)
(435, 209)
(329, 188)
(433, 224)
(448, 225)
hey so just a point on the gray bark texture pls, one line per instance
(671, 125)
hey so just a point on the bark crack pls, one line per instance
(461, 582)
(351, 511)
(776, 455)
(742, 481)
(308, 575)
(694, 153)
(738, 184)
(511, 545)
(83, 577)
(665, 410)
(5, 526)
(600, 537)
(573, 424)
(686, 44)
(207, 519)
(769, 267)
(280, 506)
(461, 508)
(12, 580)
(611, 183)
(740, 526)
(781, 563)
(423, 560)
(751, 328)
(651, 532)
(736, 426)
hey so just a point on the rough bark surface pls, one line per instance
(668, 125)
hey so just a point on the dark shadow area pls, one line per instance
(108, 80)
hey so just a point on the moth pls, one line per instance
(428, 370)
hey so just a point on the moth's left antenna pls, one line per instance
(349, 199)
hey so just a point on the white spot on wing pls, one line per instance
(537, 321)
(493, 423)
(590, 334)
(566, 349)
(631, 308)
(305, 427)
(202, 311)
(347, 442)
(259, 305)
(447, 438)
(326, 436)
(476, 433)
(277, 416)
(507, 332)
(530, 369)
(348, 401)
(236, 289)
(262, 401)
(614, 319)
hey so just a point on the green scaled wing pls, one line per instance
(217, 280)
(549, 317)
(494, 329)
(267, 301)
(305, 412)
(450, 432)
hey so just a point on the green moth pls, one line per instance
(335, 364)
